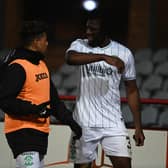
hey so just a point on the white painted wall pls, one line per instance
(152, 155)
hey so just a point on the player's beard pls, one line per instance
(95, 41)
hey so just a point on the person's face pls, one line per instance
(41, 43)
(93, 32)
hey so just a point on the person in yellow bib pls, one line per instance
(29, 97)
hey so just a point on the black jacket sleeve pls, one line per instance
(59, 109)
(12, 81)
(10, 85)
(62, 113)
(18, 107)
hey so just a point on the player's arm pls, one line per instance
(78, 58)
(134, 104)
(17, 107)
(61, 113)
(13, 79)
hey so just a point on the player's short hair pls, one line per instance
(103, 17)
(32, 29)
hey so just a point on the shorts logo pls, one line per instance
(28, 160)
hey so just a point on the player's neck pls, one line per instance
(101, 42)
(105, 42)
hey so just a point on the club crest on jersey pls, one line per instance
(98, 70)
(41, 76)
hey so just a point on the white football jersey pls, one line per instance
(98, 99)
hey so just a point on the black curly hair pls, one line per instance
(32, 29)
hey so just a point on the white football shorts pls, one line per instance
(85, 150)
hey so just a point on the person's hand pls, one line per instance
(139, 137)
(76, 129)
(115, 61)
(43, 110)
(45, 113)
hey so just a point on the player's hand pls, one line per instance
(139, 137)
(76, 129)
(43, 110)
(45, 113)
(115, 61)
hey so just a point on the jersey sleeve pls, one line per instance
(75, 46)
(130, 72)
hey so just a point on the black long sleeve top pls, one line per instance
(12, 82)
